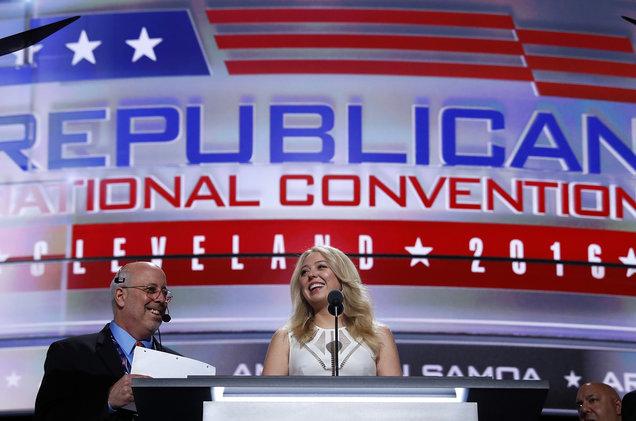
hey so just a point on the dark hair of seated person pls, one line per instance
(628, 412)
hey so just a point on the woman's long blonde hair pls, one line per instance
(358, 310)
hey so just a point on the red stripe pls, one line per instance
(404, 17)
(390, 42)
(573, 65)
(587, 92)
(372, 67)
(445, 239)
(575, 40)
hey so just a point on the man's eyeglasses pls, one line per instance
(153, 292)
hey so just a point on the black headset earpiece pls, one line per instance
(166, 316)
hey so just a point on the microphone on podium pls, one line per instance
(336, 307)
(335, 299)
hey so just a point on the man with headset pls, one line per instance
(88, 377)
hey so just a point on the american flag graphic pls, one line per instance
(427, 44)
(110, 46)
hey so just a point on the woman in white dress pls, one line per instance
(304, 345)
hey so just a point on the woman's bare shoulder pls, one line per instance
(282, 334)
(382, 329)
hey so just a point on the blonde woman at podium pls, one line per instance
(303, 347)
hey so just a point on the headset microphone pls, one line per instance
(166, 317)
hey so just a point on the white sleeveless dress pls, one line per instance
(314, 358)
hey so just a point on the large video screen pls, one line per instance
(475, 158)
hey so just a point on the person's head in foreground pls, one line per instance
(598, 402)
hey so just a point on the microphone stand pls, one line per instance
(335, 300)
(336, 343)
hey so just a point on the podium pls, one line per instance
(184, 399)
(339, 411)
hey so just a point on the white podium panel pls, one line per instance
(339, 411)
